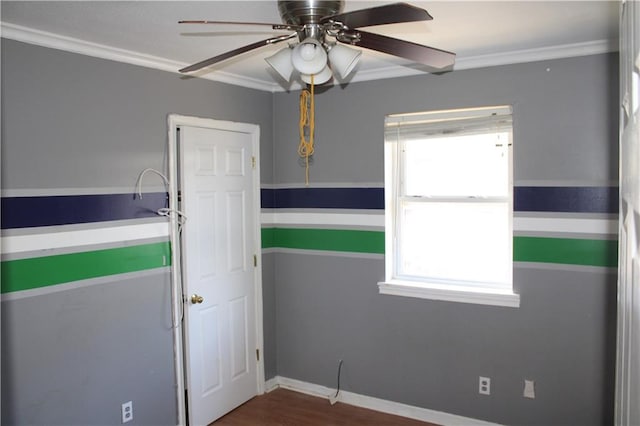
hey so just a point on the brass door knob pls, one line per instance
(196, 299)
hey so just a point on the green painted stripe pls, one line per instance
(570, 251)
(324, 239)
(268, 237)
(27, 274)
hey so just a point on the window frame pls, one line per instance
(500, 294)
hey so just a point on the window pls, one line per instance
(449, 205)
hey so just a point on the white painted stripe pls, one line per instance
(346, 219)
(523, 182)
(268, 218)
(522, 224)
(582, 225)
(62, 239)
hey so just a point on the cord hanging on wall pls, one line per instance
(307, 126)
(334, 398)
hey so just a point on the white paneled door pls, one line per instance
(218, 198)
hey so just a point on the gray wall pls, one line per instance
(269, 317)
(73, 357)
(80, 122)
(565, 120)
(72, 121)
(429, 353)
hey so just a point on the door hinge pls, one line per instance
(255, 261)
(257, 354)
(253, 162)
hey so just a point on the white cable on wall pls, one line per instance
(166, 212)
(141, 176)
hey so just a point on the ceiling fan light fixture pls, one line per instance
(309, 57)
(312, 21)
(344, 59)
(318, 78)
(281, 62)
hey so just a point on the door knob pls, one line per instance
(196, 299)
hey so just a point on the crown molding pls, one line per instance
(496, 59)
(55, 41)
(74, 45)
(595, 47)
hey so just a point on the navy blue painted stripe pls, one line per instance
(526, 198)
(267, 198)
(323, 198)
(576, 199)
(25, 212)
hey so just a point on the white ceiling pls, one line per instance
(481, 33)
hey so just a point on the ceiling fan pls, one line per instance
(323, 30)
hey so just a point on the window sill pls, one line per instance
(482, 296)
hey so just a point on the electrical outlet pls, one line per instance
(127, 411)
(484, 385)
(529, 389)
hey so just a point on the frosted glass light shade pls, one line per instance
(319, 78)
(281, 62)
(309, 57)
(344, 59)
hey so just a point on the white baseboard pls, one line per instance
(271, 384)
(376, 404)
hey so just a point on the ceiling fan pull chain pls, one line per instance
(307, 126)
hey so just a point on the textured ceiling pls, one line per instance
(480, 32)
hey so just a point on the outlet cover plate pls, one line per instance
(529, 389)
(127, 411)
(484, 385)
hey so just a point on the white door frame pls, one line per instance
(174, 121)
(628, 345)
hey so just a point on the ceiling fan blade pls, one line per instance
(381, 15)
(234, 52)
(273, 26)
(426, 55)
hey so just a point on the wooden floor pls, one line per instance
(283, 407)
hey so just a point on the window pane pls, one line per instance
(457, 166)
(455, 241)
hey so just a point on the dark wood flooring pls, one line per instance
(283, 407)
